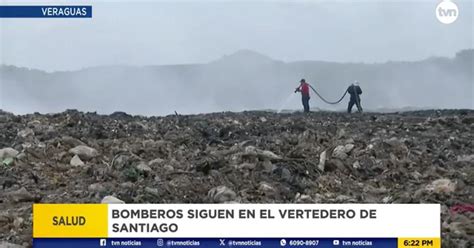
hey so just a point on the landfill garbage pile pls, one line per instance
(249, 157)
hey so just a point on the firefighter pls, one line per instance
(304, 89)
(355, 91)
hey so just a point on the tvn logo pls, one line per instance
(103, 242)
(447, 12)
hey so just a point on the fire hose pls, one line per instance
(326, 101)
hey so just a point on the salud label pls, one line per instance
(69, 220)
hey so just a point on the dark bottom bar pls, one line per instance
(213, 242)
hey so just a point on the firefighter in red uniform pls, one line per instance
(304, 89)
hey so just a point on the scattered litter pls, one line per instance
(250, 157)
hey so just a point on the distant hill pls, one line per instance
(241, 81)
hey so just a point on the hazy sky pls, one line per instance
(155, 33)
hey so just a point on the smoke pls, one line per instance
(242, 81)
(109, 63)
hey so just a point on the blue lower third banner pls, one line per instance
(213, 242)
(62, 11)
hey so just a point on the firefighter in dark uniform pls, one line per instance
(355, 91)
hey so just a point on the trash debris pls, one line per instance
(8, 153)
(8, 161)
(322, 161)
(84, 152)
(466, 158)
(462, 208)
(249, 166)
(301, 198)
(96, 187)
(4, 244)
(221, 194)
(152, 191)
(249, 157)
(266, 188)
(156, 162)
(76, 161)
(20, 195)
(25, 133)
(356, 165)
(111, 200)
(143, 167)
(18, 222)
(439, 186)
(341, 152)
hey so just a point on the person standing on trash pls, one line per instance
(304, 89)
(355, 91)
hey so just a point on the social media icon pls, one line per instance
(335, 242)
(221, 242)
(159, 242)
(282, 242)
(103, 242)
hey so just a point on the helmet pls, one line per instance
(302, 81)
(356, 82)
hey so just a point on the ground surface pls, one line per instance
(259, 157)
